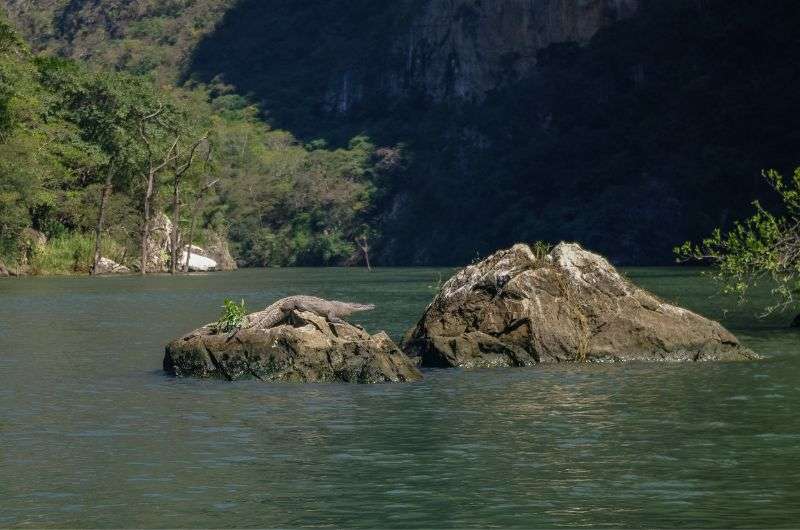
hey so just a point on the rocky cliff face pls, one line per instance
(444, 49)
(136, 35)
(464, 48)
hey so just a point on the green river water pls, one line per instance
(93, 434)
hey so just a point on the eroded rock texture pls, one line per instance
(304, 347)
(519, 309)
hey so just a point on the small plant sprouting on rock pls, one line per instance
(541, 249)
(232, 317)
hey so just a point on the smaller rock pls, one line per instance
(796, 322)
(302, 347)
(108, 266)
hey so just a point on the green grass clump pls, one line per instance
(541, 249)
(232, 317)
(69, 253)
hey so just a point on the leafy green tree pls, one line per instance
(89, 155)
(763, 248)
(104, 107)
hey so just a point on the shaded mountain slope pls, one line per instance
(629, 126)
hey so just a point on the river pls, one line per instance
(94, 434)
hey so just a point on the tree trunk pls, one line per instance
(169, 156)
(191, 234)
(173, 265)
(363, 243)
(366, 258)
(146, 221)
(98, 233)
(197, 204)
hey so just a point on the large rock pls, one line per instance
(517, 308)
(304, 347)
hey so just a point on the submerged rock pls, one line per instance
(303, 347)
(517, 308)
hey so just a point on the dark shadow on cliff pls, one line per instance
(306, 62)
(654, 133)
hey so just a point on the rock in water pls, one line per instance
(304, 347)
(519, 309)
(796, 322)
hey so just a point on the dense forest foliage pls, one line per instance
(68, 131)
(152, 37)
(654, 132)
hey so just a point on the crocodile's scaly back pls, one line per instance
(330, 309)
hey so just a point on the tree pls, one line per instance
(763, 248)
(101, 217)
(363, 243)
(181, 167)
(363, 238)
(197, 205)
(150, 129)
(88, 156)
(106, 111)
(104, 148)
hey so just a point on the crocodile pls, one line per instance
(333, 310)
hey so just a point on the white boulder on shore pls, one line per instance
(198, 262)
